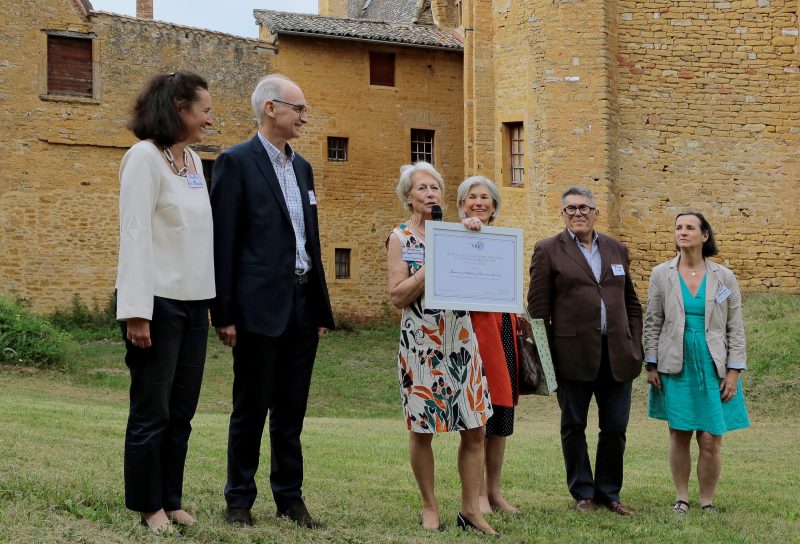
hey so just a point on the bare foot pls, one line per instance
(157, 521)
(478, 522)
(181, 517)
(483, 502)
(430, 519)
(499, 503)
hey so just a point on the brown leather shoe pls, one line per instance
(298, 513)
(618, 508)
(238, 516)
(585, 505)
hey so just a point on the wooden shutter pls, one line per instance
(69, 66)
(381, 69)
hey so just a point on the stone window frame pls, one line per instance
(43, 64)
(372, 59)
(513, 149)
(338, 149)
(419, 144)
(353, 263)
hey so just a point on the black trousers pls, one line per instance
(165, 387)
(272, 375)
(614, 405)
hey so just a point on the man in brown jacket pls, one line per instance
(581, 287)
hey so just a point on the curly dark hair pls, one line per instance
(710, 245)
(156, 113)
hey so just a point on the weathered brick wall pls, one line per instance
(357, 203)
(657, 106)
(710, 115)
(58, 184)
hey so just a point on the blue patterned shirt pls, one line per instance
(282, 164)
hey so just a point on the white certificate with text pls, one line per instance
(473, 270)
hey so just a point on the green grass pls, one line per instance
(61, 438)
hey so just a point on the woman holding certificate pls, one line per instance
(478, 204)
(442, 382)
(694, 351)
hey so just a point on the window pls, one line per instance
(70, 70)
(337, 149)
(421, 145)
(381, 69)
(514, 155)
(342, 263)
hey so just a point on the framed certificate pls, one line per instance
(473, 270)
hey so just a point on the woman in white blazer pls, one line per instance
(694, 351)
(165, 280)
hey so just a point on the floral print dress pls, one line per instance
(442, 382)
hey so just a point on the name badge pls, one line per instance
(414, 254)
(195, 181)
(311, 198)
(618, 269)
(722, 294)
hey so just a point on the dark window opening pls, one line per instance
(381, 69)
(337, 148)
(342, 263)
(422, 145)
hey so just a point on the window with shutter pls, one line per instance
(69, 66)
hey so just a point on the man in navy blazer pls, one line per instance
(272, 302)
(582, 288)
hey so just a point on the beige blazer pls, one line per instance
(665, 319)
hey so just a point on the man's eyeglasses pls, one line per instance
(298, 108)
(584, 210)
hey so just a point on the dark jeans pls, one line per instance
(165, 386)
(613, 404)
(272, 375)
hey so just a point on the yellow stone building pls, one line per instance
(69, 78)
(658, 106)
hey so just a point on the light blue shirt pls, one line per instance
(593, 258)
(282, 164)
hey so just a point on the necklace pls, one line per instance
(171, 160)
(420, 234)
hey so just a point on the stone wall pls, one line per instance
(58, 185)
(358, 207)
(657, 106)
(710, 116)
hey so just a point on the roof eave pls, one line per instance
(367, 40)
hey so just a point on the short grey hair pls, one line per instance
(578, 190)
(469, 183)
(406, 180)
(267, 88)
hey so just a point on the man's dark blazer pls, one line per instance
(254, 243)
(564, 292)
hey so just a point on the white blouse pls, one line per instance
(166, 238)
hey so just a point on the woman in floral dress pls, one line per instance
(442, 382)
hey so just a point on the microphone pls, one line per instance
(436, 212)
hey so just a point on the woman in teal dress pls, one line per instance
(694, 352)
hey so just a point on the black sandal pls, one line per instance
(678, 504)
(710, 509)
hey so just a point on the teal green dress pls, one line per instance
(690, 400)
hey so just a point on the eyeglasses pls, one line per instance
(298, 108)
(583, 209)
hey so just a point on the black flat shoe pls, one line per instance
(464, 523)
(299, 514)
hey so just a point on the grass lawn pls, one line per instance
(61, 439)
